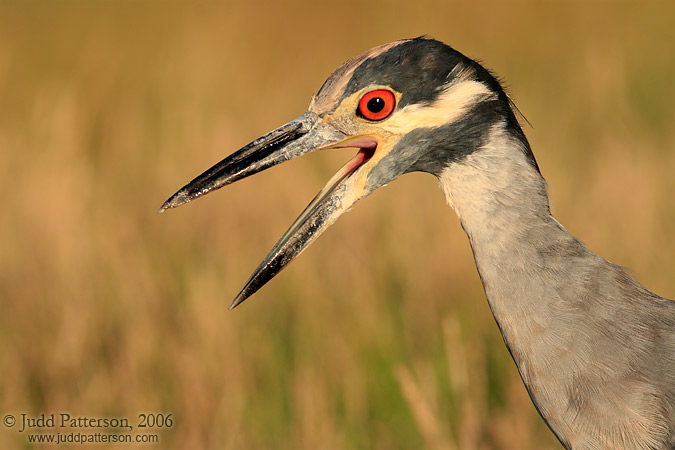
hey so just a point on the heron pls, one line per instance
(594, 348)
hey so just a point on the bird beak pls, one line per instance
(298, 137)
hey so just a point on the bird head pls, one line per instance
(410, 105)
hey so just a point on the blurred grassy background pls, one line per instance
(379, 336)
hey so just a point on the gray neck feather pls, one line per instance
(582, 333)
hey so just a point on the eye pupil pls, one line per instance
(375, 105)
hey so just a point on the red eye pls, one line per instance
(377, 105)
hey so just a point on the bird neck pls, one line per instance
(501, 201)
(574, 323)
(500, 198)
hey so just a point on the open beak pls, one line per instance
(298, 137)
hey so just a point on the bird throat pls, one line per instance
(501, 201)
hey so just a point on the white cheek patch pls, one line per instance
(450, 105)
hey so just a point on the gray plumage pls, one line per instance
(594, 348)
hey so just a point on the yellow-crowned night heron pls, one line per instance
(595, 349)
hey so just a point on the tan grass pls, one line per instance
(379, 336)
